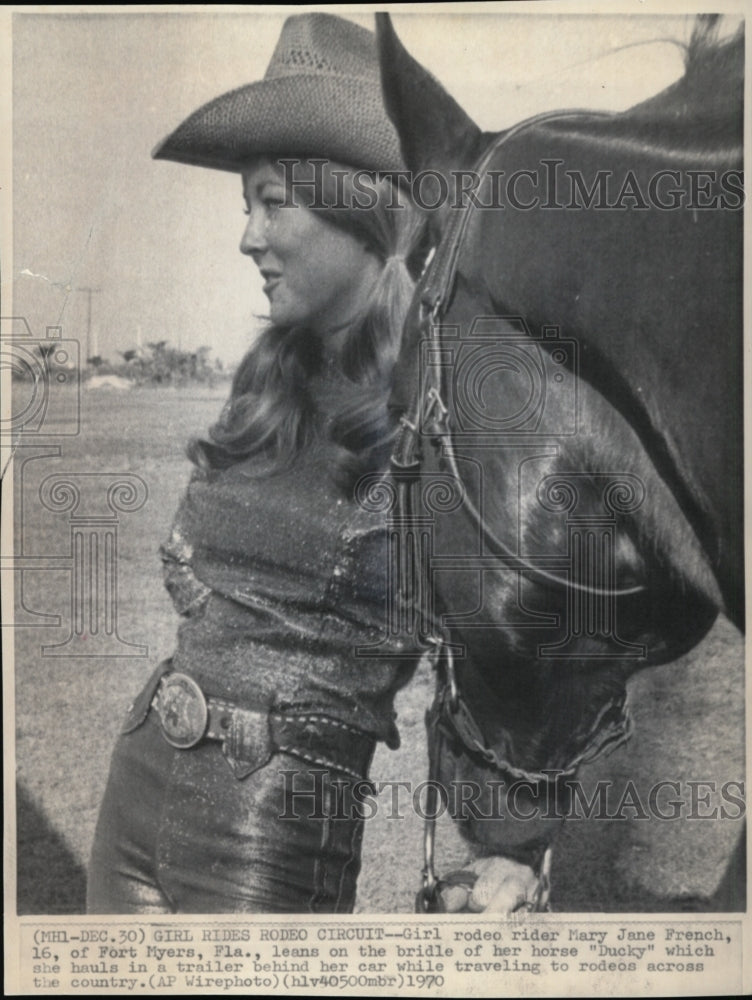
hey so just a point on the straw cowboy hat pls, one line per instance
(321, 96)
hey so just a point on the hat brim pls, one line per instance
(335, 117)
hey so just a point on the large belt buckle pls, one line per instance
(183, 711)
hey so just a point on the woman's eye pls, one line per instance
(272, 204)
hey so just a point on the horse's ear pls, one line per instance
(434, 131)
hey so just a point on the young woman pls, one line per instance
(237, 781)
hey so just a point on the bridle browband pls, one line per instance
(428, 415)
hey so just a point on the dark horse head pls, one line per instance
(588, 351)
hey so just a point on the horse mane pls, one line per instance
(697, 121)
(707, 55)
(712, 88)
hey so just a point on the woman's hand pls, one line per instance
(503, 886)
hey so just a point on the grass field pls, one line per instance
(688, 715)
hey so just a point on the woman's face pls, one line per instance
(314, 274)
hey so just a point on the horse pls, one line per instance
(570, 392)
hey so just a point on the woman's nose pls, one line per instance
(253, 240)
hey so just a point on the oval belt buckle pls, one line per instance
(182, 710)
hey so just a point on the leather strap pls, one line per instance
(438, 281)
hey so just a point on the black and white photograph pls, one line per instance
(373, 540)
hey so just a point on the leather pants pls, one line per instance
(179, 833)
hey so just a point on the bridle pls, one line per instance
(428, 415)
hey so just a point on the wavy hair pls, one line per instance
(270, 411)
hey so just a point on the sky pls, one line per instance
(93, 93)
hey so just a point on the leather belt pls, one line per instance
(250, 737)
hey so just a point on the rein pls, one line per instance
(428, 415)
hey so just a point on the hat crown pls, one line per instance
(323, 44)
(321, 96)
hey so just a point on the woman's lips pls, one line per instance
(271, 279)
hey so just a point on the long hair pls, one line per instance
(270, 411)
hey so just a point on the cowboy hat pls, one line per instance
(320, 97)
